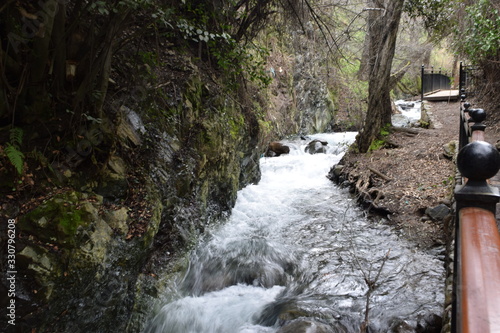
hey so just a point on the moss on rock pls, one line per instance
(58, 219)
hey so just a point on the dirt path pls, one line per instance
(406, 180)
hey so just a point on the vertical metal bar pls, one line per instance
(432, 78)
(462, 135)
(460, 79)
(463, 130)
(422, 84)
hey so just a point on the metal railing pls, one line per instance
(468, 116)
(432, 81)
(467, 79)
(476, 303)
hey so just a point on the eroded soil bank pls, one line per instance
(408, 177)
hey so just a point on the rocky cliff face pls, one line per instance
(299, 96)
(88, 253)
(92, 252)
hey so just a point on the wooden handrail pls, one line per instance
(477, 136)
(476, 306)
(479, 287)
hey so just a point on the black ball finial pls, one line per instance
(477, 115)
(478, 160)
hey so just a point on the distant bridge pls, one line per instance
(436, 86)
(442, 95)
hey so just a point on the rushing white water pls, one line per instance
(295, 249)
(410, 113)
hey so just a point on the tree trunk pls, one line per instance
(59, 58)
(96, 80)
(383, 24)
(36, 86)
(363, 65)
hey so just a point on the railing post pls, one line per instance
(432, 80)
(463, 137)
(422, 84)
(461, 78)
(478, 161)
(477, 116)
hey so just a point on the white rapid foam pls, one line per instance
(299, 240)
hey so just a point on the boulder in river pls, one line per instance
(276, 149)
(316, 147)
(406, 105)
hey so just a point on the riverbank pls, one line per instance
(410, 180)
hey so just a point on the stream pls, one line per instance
(298, 255)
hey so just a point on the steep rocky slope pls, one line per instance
(112, 208)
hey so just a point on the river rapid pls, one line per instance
(298, 255)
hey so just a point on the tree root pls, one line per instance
(369, 197)
(405, 130)
(380, 174)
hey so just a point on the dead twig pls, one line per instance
(372, 285)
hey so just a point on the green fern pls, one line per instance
(15, 157)
(13, 150)
(16, 136)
